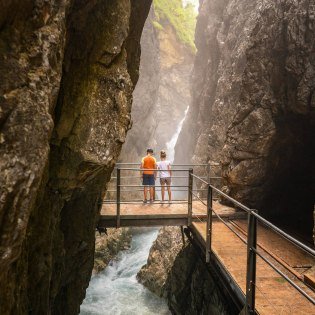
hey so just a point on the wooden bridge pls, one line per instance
(263, 269)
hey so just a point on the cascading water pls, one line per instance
(116, 291)
(170, 146)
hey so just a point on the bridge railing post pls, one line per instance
(251, 263)
(190, 195)
(209, 224)
(208, 172)
(118, 197)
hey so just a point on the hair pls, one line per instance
(150, 151)
(163, 154)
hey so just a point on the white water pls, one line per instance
(170, 146)
(116, 291)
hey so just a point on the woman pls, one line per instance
(164, 168)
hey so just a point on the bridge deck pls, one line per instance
(158, 214)
(274, 295)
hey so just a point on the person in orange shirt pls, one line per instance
(148, 174)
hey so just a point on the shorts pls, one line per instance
(165, 180)
(148, 180)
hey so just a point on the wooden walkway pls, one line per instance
(274, 295)
(158, 214)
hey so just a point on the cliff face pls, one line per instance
(162, 93)
(154, 275)
(68, 70)
(253, 104)
(177, 272)
(108, 245)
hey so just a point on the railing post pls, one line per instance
(118, 197)
(209, 224)
(251, 263)
(190, 189)
(208, 172)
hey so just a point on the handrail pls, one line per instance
(171, 164)
(296, 242)
(250, 240)
(201, 179)
(150, 169)
(158, 186)
(284, 276)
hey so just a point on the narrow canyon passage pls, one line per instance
(86, 84)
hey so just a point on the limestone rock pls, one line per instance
(178, 273)
(107, 246)
(162, 93)
(68, 69)
(162, 255)
(252, 91)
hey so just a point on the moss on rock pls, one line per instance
(182, 18)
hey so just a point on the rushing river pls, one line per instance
(116, 291)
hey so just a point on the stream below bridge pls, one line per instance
(116, 291)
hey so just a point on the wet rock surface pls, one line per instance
(252, 107)
(177, 272)
(107, 246)
(65, 92)
(154, 274)
(162, 93)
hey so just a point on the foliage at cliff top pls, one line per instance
(183, 19)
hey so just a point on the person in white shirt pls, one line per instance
(165, 172)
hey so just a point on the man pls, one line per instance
(148, 174)
(165, 171)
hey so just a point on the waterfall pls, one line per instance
(170, 146)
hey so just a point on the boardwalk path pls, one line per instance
(273, 294)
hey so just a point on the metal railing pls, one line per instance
(251, 242)
(181, 174)
(119, 190)
(252, 218)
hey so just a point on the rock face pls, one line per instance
(177, 273)
(154, 274)
(68, 69)
(162, 93)
(107, 246)
(253, 104)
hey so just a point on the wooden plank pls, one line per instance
(273, 294)
(310, 279)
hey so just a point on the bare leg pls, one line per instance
(162, 191)
(169, 193)
(151, 192)
(145, 193)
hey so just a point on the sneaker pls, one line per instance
(145, 201)
(151, 200)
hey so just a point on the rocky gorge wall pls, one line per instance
(253, 105)
(68, 69)
(162, 93)
(108, 245)
(177, 272)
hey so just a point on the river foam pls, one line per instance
(116, 291)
